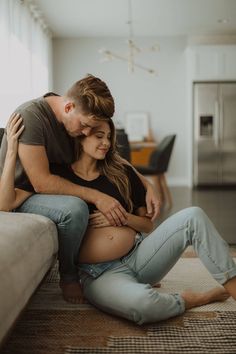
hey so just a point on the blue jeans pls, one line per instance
(125, 288)
(70, 214)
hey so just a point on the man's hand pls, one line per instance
(111, 209)
(97, 219)
(152, 202)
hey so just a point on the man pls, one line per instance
(51, 122)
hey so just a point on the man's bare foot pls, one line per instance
(72, 292)
(157, 285)
(193, 299)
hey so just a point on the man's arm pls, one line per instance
(35, 162)
(152, 201)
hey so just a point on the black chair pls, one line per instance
(122, 143)
(158, 166)
(1, 134)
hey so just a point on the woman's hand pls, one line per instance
(11, 197)
(14, 130)
(97, 219)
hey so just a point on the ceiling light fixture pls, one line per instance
(133, 49)
(223, 20)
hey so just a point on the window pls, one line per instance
(25, 60)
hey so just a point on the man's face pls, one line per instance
(77, 123)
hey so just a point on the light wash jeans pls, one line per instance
(124, 288)
(70, 214)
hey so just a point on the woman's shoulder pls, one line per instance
(129, 170)
(127, 167)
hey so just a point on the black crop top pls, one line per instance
(103, 184)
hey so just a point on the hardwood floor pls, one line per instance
(219, 205)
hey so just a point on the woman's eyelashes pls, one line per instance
(100, 136)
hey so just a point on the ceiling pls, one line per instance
(150, 18)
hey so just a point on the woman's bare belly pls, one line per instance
(106, 244)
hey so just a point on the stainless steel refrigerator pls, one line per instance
(214, 134)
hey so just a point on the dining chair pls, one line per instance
(1, 134)
(123, 145)
(158, 166)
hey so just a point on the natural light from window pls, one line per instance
(25, 60)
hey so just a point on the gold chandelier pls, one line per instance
(133, 49)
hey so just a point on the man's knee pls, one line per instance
(76, 214)
(79, 206)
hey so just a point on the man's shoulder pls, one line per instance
(36, 111)
(30, 104)
(49, 94)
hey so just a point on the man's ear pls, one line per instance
(69, 106)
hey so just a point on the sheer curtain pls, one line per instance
(26, 56)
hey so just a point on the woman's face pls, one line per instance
(98, 143)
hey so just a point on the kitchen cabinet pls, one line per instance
(212, 62)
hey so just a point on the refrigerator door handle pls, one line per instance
(217, 124)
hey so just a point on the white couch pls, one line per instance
(28, 248)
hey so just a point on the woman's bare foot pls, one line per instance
(230, 286)
(193, 299)
(72, 292)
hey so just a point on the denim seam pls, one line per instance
(208, 255)
(205, 250)
(150, 258)
(180, 301)
(58, 210)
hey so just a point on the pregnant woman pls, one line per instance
(118, 265)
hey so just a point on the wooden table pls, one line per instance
(141, 151)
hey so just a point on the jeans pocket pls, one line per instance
(138, 239)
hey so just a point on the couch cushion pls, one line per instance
(28, 245)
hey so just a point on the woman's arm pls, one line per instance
(139, 222)
(11, 197)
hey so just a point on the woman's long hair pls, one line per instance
(112, 166)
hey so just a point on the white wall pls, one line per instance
(162, 96)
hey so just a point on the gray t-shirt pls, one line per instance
(41, 128)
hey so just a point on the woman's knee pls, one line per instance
(196, 213)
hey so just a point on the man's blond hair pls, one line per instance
(93, 97)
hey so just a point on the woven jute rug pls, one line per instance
(49, 325)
